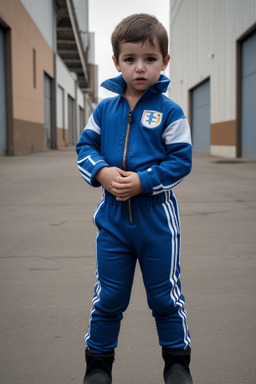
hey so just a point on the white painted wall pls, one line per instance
(65, 78)
(43, 14)
(67, 85)
(80, 98)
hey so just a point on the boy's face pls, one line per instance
(141, 66)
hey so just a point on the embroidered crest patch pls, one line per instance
(151, 119)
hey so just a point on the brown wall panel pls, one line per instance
(28, 137)
(224, 133)
(62, 137)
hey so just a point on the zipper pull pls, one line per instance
(130, 117)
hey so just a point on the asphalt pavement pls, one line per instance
(47, 273)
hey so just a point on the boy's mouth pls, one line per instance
(140, 79)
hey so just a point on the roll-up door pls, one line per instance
(47, 110)
(71, 121)
(248, 99)
(3, 135)
(201, 117)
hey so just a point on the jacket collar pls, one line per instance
(118, 85)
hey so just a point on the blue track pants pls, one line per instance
(152, 238)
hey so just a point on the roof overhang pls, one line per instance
(69, 43)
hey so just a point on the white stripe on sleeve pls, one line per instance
(92, 125)
(177, 132)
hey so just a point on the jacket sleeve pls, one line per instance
(177, 162)
(88, 148)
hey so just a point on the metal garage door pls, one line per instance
(248, 121)
(71, 121)
(47, 110)
(201, 117)
(3, 142)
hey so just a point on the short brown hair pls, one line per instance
(140, 28)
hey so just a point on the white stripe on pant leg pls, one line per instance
(97, 210)
(177, 214)
(181, 303)
(174, 214)
(173, 294)
(183, 315)
(95, 300)
(96, 297)
(173, 223)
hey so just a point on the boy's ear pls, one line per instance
(116, 63)
(165, 62)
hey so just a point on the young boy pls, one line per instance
(137, 146)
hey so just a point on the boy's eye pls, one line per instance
(151, 59)
(129, 60)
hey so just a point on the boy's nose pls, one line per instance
(140, 66)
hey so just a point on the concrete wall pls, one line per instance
(30, 43)
(203, 44)
(27, 96)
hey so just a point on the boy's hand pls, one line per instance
(107, 175)
(119, 183)
(126, 185)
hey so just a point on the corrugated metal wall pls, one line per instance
(203, 44)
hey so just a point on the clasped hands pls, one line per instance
(120, 183)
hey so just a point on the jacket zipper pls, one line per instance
(125, 158)
(127, 139)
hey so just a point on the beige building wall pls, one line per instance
(27, 77)
(203, 45)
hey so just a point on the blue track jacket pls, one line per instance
(153, 139)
